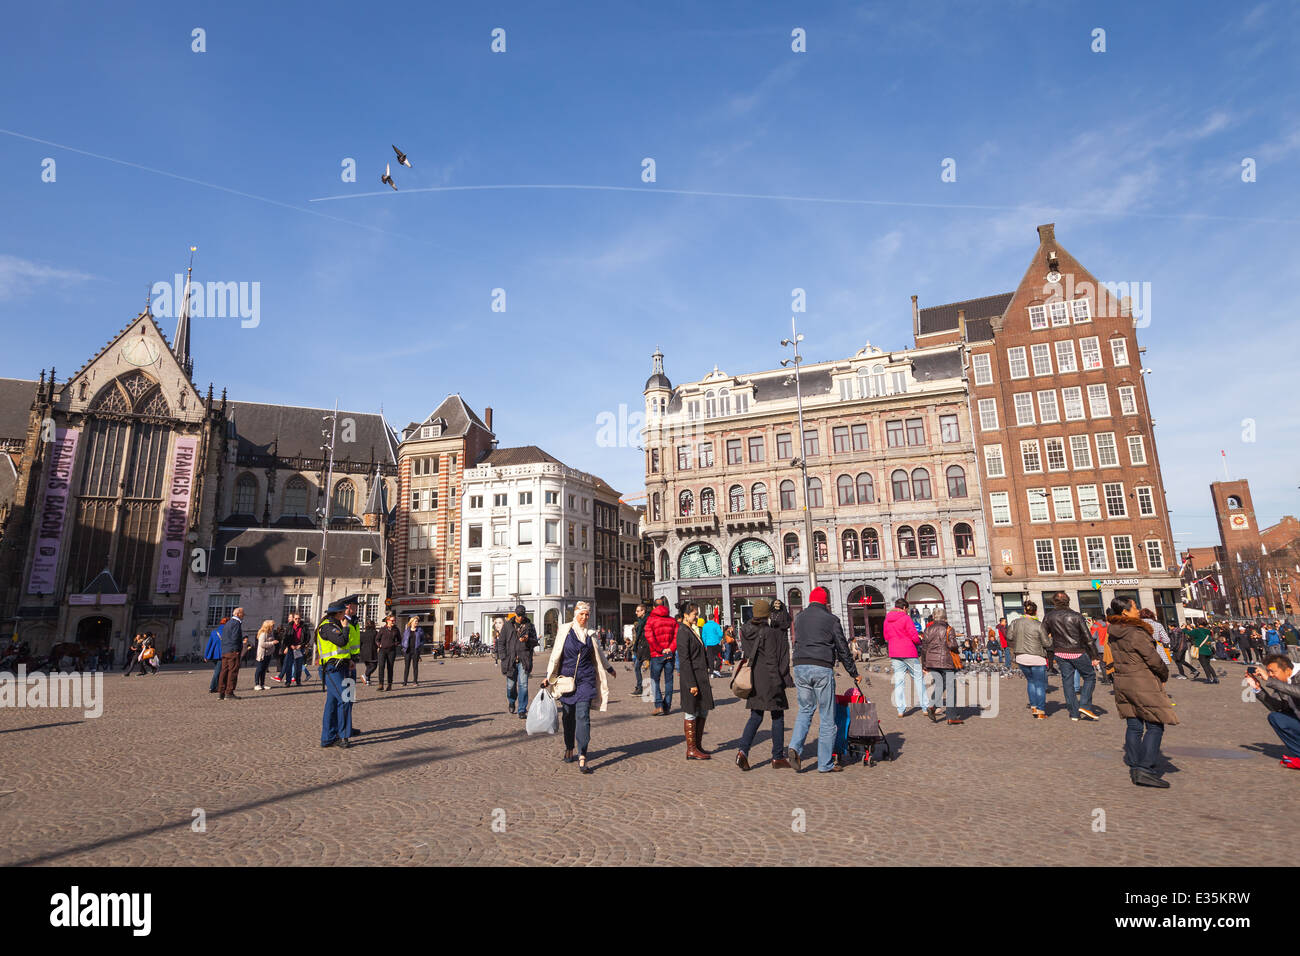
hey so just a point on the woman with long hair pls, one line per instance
(1028, 639)
(696, 662)
(265, 651)
(1139, 680)
(579, 672)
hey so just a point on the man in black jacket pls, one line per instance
(1278, 689)
(640, 647)
(1074, 650)
(818, 643)
(518, 639)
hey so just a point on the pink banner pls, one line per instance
(52, 515)
(176, 517)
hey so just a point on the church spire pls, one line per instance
(181, 343)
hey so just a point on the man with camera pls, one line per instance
(1278, 689)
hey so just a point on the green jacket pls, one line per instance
(1203, 641)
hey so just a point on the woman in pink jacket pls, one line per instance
(903, 639)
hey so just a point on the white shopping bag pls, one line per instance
(543, 717)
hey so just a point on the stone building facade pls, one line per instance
(892, 488)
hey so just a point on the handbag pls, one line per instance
(955, 655)
(563, 686)
(742, 681)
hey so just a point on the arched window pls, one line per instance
(699, 560)
(844, 489)
(920, 484)
(902, 489)
(724, 401)
(794, 599)
(850, 540)
(870, 544)
(866, 489)
(929, 541)
(295, 496)
(736, 498)
(820, 551)
(787, 495)
(686, 504)
(963, 540)
(706, 502)
(956, 481)
(345, 499)
(790, 546)
(878, 381)
(864, 382)
(665, 566)
(758, 495)
(906, 542)
(815, 493)
(752, 556)
(245, 495)
(1234, 503)
(656, 508)
(710, 404)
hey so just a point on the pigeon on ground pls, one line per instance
(401, 158)
(388, 176)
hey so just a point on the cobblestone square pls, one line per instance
(443, 775)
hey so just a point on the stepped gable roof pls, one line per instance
(523, 455)
(291, 431)
(16, 396)
(943, 318)
(269, 552)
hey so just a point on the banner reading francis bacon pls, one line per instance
(52, 517)
(176, 519)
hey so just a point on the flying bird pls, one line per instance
(388, 176)
(401, 157)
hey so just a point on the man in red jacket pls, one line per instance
(661, 635)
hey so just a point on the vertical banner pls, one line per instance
(176, 516)
(52, 514)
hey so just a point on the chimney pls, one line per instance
(961, 325)
(916, 318)
(487, 418)
(1047, 233)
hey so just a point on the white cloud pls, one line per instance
(20, 277)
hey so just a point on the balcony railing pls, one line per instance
(695, 523)
(749, 519)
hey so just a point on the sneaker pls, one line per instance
(1088, 713)
(1291, 763)
(277, 680)
(222, 697)
(1075, 719)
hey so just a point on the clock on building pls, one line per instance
(140, 352)
(1238, 522)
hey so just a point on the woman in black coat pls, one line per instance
(697, 696)
(768, 651)
(369, 656)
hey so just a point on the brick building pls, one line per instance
(1071, 477)
(431, 459)
(1261, 566)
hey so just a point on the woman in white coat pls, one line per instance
(579, 672)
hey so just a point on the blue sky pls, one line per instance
(386, 300)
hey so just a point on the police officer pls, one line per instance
(337, 644)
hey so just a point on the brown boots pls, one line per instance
(693, 751)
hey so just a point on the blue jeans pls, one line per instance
(1142, 743)
(216, 672)
(904, 666)
(778, 733)
(575, 719)
(815, 686)
(1288, 729)
(1036, 678)
(1006, 656)
(337, 721)
(517, 688)
(663, 666)
(259, 675)
(636, 667)
(1070, 672)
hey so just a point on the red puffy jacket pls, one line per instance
(661, 632)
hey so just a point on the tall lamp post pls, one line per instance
(801, 459)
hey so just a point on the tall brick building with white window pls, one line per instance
(1071, 480)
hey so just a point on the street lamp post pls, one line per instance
(324, 514)
(802, 459)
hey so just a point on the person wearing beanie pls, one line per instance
(768, 652)
(518, 640)
(818, 643)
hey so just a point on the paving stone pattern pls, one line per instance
(439, 764)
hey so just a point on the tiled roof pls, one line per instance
(456, 413)
(943, 318)
(269, 552)
(523, 455)
(940, 365)
(294, 432)
(16, 396)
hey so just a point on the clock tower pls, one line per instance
(1234, 511)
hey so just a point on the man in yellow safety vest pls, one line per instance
(337, 644)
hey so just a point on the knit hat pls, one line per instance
(521, 611)
(820, 596)
(762, 608)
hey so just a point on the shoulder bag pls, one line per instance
(742, 681)
(566, 685)
(955, 655)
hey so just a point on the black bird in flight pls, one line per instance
(401, 158)
(388, 176)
